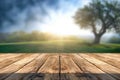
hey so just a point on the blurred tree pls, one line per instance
(99, 16)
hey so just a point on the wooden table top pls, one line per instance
(50, 66)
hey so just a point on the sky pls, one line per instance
(54, 16)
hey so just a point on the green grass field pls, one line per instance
(67, 46)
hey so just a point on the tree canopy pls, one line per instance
(99, 16)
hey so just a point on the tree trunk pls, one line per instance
(97, 39)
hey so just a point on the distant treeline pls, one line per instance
(22, 36)
(114, 40)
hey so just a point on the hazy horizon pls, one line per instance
(54, 17)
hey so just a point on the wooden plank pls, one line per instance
(109, 69)
(11, 60)
(91, 72)
(7, 56)
(50, 69)
(117, 55)
(114, 61)
(16, 66)
(30, 69)
(69, 69)
(38, 64)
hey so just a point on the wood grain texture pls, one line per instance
(37, 66)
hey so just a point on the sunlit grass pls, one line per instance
(58, 46)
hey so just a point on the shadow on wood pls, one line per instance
(55, 76)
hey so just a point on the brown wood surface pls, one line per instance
(43, 66)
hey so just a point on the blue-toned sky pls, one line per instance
(41, 15)
(53, 16)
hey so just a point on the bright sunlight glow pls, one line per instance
(62, 25)
(61, 22)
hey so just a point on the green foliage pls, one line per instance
(114, 40)
(99, 13)
(58, 46)
(22, 36)
(99, 16)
